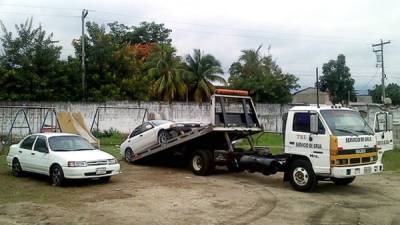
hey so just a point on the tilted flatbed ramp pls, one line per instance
(183, 138)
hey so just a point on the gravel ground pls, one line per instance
(149, 194)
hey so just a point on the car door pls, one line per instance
(146, 137)
(25, 153)
(383, 132)
(136, 140)
(40, 156)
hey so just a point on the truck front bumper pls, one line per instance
(343, 172)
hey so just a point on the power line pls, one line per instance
(41, 14)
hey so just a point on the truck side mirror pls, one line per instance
(389, 120)
(314, 123)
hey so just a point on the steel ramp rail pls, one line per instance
(194, 133)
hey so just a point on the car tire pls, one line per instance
(163, 137)
(16, 169)
(105, 179)
(57, 176)
(202, 162)
(343, 181)
(302, 176)
(128, 155)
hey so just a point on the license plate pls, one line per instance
(367, 170)
(101, 171)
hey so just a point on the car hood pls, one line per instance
(88, 155)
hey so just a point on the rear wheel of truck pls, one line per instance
(343, 181)
(201, 162)
(302, 176)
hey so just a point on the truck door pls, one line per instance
(315, 146)
(383, 132)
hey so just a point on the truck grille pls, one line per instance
(97, 163)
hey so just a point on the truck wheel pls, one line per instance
(16, 168)
(343, 181)
(302, 176)
(57, 176)
(201, 162)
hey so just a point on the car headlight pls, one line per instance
(77, 164)
(112, 161)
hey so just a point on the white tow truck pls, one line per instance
(320, 143)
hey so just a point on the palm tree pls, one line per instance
(202, 70)
(167, 71)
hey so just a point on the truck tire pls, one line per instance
(202, 162)
(302, 176)
(343, 181)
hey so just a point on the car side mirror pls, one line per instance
(148, 126)
(314, 123)
(389, 122)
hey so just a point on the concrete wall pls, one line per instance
(125, 120)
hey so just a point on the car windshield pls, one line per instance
(346, 122)
(159, 122)
(69, 143)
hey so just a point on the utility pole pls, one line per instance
(381, 63)
(84, 14)
(317, 85)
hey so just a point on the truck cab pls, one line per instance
(383, 123)
(328, 143)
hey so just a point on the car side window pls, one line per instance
(28, 142)
(135, 132)
(41, 145)
(145, 127)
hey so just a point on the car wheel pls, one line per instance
(16, 168)
(163, 137)
(302, 176)
(57, 176)
(104, 179)
(202, 163)
(128, 155)
(343, 181)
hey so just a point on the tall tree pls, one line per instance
(262, 77)
(337, 80)
(32, 60)
(167, 70)
(202, 71)
(392, 92)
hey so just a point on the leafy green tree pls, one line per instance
(143, 34)
(392, 92)
(261, 76)
(31, 62)
(167, 71)
(202, 71)
(337, 80)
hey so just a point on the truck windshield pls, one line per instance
(346, 122)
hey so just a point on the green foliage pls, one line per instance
(337, 80)
(167, 71)
(106, 133)
(201, 71)
(262, 77)
(30, 65)
(392, 92)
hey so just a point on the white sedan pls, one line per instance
(61, 156)
(151, 133)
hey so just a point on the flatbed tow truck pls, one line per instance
(330, 143)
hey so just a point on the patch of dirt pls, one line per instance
(146, 194)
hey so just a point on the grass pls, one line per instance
(391, 160)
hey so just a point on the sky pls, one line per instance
(302, 35)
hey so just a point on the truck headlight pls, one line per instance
(77, 164)
(112, 161)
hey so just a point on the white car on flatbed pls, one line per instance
(61, 156)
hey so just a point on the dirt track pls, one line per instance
(165, 195)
